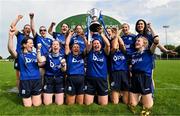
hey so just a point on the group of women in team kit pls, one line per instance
(71, 68)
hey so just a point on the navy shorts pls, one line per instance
(16, 65)
(53, 84)
(141, 84)
(75, 85)
(97, 86)
(119, 81)
(30, 88)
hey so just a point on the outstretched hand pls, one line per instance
(20, 17)
(31, 15)
(53, 24)
(171, 52)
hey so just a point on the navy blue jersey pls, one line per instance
(143, 62)
(75, 64)
(118, 61)
(45, 42)
(28, 66)
(129, 42)
(149, 37)
(79, 40)
(97, 64)
(53, 65)
(61, 38)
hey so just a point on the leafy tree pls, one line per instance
(177, 49)
(1, 57)
(10, 57)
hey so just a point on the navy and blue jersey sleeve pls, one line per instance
(54, 35)
(35, 40)
(18, 33)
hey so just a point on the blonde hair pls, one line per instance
(145, 41)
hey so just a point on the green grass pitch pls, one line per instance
(166, 102)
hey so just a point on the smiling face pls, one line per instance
(141, 43)
(43, 31)
(27, 30)
(64, 28)
(75, 49)
(125, 28)
(55, 46)
(79, 30)
(28, 45)
(109, 31)
(96, 45)
(140, 26)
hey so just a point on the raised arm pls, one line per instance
(163, 49)
(40, 58)
(106, 41)
(10, 42)
(121, 44)
(114, 44)
(149, 26)
(31, 15)
(85, 41)
(14, 23)
(68, 39)
(154, 45)
(50, 30)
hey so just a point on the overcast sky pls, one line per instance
(158, 12)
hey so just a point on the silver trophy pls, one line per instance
(94, 25)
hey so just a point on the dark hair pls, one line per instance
(26, 25)
(65, 24)
(145, 30)
(24, 41)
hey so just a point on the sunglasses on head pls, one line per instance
(42, 30)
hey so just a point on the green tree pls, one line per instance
(10, 57)
(177, 49)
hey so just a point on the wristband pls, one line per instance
(155, 36)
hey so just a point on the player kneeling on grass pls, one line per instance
(96, 81)
(30, 82)
(75, 71)
(119, 83)
(141, 82)
(55, 65)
